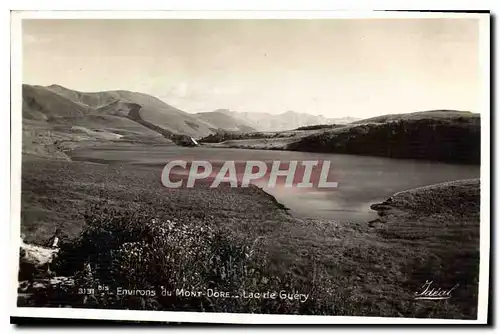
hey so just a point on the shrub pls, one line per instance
(152, 258)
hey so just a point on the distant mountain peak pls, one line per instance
(287, 120)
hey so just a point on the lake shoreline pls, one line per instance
(434, 136)
(438, 197)
(259, 144)
(362, 179)
(352, 257)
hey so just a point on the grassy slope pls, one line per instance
(152, 110)
(434, 114)
(441, 224)
(57, 192)
(449, 136)
(372, 269)
(450, 140)
(271, 140)
(54, 123)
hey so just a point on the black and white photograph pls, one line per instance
(251, 168)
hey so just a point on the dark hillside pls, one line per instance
(456, 139)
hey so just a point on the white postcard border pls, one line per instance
(173, 316)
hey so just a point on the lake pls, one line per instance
(362, 180)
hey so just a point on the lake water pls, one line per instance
(362, 180)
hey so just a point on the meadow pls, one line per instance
(123, 230)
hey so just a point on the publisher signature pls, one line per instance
(429, 292)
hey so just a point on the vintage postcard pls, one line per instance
(251, 167)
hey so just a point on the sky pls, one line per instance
(330, 67)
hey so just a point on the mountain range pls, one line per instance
(117, 109)
(56, 118)
(278, 122)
